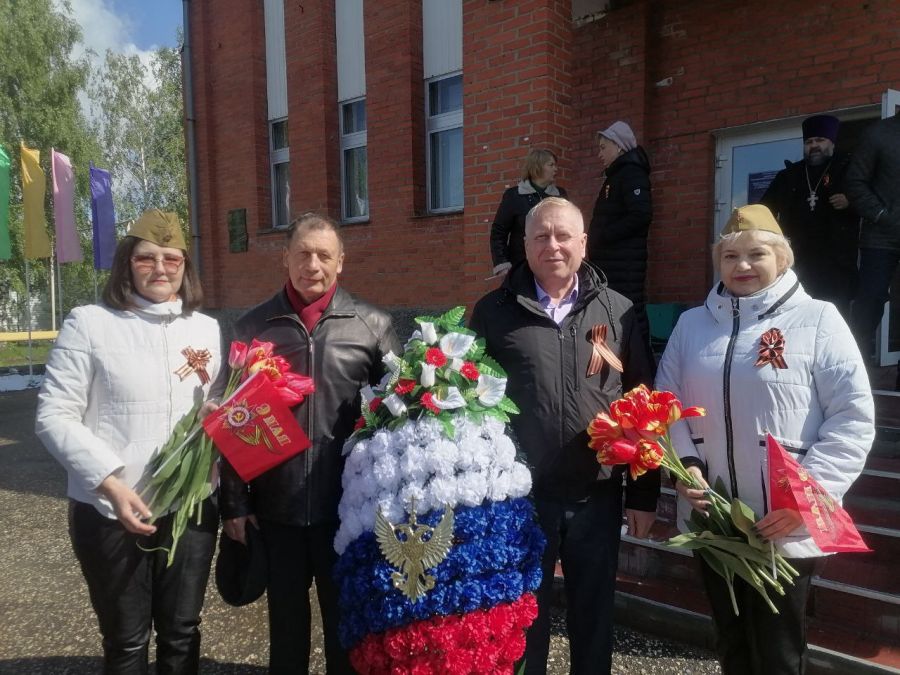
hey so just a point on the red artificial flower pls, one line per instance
(427, 402)
(374, 403)
(237, 355)
(360, 423)
(404, 386)
(469, 371)
(435, 357)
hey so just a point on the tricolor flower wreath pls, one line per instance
(432, 439)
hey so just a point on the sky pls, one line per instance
(127, 26)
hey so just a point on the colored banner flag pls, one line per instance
(255, 430)
(791, 487)
(103, 219)
(34, 185)
(5, 249)
(68, 248)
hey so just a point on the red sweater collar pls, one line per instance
(309, 314)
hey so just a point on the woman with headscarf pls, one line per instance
(508, 230)
(617, 235)
(122, 374)
(762, 356)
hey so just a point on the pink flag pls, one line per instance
(68, 248)
(791, 487)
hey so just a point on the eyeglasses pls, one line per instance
(147, 262)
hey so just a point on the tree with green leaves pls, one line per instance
(139, 121)
(40, 80)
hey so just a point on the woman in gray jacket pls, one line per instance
(763, 357)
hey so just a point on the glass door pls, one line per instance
(888, 336)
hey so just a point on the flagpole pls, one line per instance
(52, 290)
(28, 316)
(59, 293)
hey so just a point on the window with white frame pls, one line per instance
(354, 163)
(444, 147)
(279, 155)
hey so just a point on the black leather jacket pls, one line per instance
(343, 354)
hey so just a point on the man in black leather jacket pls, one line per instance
(339, 341)
(538, 326)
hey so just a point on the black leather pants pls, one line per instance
(758, 642)
(133, 592)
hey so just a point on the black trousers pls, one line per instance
(133, 592)
(758, 642)
(585, 537)
(297, 555)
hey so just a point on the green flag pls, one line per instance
(5, 252)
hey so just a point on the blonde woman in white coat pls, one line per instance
(815, 400)
(118, 380)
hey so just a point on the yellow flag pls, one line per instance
(34, 184)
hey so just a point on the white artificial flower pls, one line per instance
(456, 364)
(456, 344)
(427, 377)
(490, 389)
(392, 361)
(451, 401)
(368, 394)
(385, 381)
(429, 334)
(416, 335)
(395, 405)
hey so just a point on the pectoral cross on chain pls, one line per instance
(812, 199)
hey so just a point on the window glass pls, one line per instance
(356, 188)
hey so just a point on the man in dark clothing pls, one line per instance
(807, 198)
(873, 186)
(620, 223)
(339, 341)
(539, 326)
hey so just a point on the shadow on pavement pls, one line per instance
(87, 665)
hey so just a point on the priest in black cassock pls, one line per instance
(807, 198)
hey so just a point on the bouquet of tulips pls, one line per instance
(636, 433)
(182, 471)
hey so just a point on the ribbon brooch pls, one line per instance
(601, 352)
(771, 349)
(196, 363)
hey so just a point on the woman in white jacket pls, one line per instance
(815, 400)
(120, 377)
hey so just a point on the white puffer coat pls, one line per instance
(111, 397)
(819, 408)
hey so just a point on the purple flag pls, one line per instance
(103, 218)
(68, 248)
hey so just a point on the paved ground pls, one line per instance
(48, 628)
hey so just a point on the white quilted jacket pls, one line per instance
(111, 397)
(819, 408)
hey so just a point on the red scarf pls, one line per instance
(309, 314)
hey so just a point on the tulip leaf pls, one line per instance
(743, 518)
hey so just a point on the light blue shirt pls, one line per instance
(561, 310)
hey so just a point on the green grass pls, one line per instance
(16, 353)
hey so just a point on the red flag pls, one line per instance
(791, 487)
(254, 429)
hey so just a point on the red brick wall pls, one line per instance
(530, 78)
(732, 63)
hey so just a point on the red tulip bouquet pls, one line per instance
(636, 433)
(181, 474)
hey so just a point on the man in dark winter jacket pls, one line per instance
(539, 325)
(620, 223)
(807, 198)
(339, 341)
(873, 186)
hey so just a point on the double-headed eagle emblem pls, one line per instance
(413, 549)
